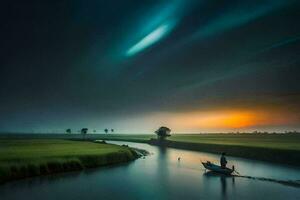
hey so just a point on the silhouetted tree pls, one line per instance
(84, 132)
(94, 131)
(69, 131)
(163, 132)
(106, 130)
(112, 130)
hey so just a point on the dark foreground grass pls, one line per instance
(34, 157)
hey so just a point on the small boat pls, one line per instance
(218, 169)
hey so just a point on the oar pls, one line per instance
(235, 170)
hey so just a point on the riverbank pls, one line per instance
(21, 158)
(276, 148)
(280, 156)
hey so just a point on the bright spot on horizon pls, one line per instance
(216, 120)
(150, 39)
(225, 120)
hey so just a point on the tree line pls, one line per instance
(84, 131)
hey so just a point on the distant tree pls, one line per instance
(106, 130)
(163, 132)
(69, 131)
(84, 131)
(112, 130)
(94, 131)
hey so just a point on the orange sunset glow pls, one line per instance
(228, 119)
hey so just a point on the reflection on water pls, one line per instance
(160, 176)
(224, 180)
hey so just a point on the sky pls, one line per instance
(196, 66)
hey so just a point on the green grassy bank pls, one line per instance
(278, 148)
(140, 138)
(269, 141)
(20, 158)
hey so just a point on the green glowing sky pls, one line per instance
(150, 39)
(196, 66)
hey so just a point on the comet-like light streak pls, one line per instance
(150, 39)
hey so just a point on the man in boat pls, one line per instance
(223, 160)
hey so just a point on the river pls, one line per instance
(160, 176)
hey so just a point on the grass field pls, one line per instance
(271, 141)
(21, 158)
(142, 138)
(279, 148)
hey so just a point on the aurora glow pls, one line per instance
(187, 64)
(150, 39)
